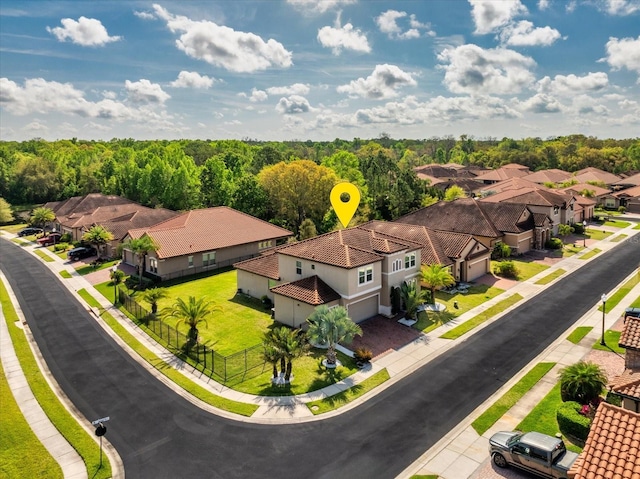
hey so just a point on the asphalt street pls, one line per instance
(161, 435)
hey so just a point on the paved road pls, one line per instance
(160, 435)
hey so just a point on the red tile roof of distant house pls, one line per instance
(311, 290)
(627, 384)
(595, 174)
(508, 184)
(630, 336)
(505, 172)
(552, 175)
(578, 188)
(208, 230)
(264, 265)
(531, 196)
(612, 449)
(633, 180)
(633, 192)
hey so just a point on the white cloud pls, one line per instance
(542, 103)
(340, 37)
(543, 4)
(381, 84)
(319, 6)
(571, 84)
(192, 80)
(475, 70)
(256, 95)
(223, 46)
(87, 32)
(622, 7)
(489, 15)
(92, 125)
(295, 89)
(36, 126)
(143, 91)
(293, 104)
(585, 104)
(623, 53)
(388, 23)
(523, 34)
(144, 15)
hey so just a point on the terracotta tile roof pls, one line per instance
(627, 384)
(207, 230)
(508, 184)
(141, 218)
(512, 170)
(552, 175)
(629, 180)
(467, 184)
(633, 192)
(444, 171)
(531, 196)
(463, 215)
(311, 290)
(508, 217)
(595, 174)
(540, 219)
(612, 449)
(78, 206)
(630, 336)
(578, 187)
(265, 265)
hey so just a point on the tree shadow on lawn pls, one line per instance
(188, 278)
(250, 302)
(432, 320)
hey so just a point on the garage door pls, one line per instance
(364, 309)
(476, 268)
(633, 207)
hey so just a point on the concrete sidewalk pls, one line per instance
(457, 455)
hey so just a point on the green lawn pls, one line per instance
(526, 269)
(578, 334)
(476, 295)
(618, 238)
(338, 400)
(65, 274)
(83, 269)
(543, 418)
(482, 317)
(637, 227)
(550, 277)
(597, 235)
(591, 254)
(14, 228)
(611, 339)
(617, 223)
(43, 255)
(620, 294)
(79, 439)
(510, 398)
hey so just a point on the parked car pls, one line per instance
(543, 455)
(81, 252)
(635, 312)
(29, 231)
(53, 238)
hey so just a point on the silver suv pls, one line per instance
(535, 452)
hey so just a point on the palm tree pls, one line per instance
(152, 296)
(41, 216)
(191, 312)
(272, 355)
(117, 277)
(98, 236)
(140, 247)
(582, 382)
(294, 347)
(284, 345)
(331, 326)
(412, 298)
(436, 276)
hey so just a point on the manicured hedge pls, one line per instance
(571, 422)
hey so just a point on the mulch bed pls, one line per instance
(382, 335)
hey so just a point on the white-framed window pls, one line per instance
(365, 275)
(265, 244)
(410, 261)
(556, 209)
(153, 265)
(190, 259)
(396, 265)
(298, 267)
(209, 259)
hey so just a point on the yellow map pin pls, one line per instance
(345, 209)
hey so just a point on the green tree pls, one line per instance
(307, 230)
(412, 298)
(436, 276)
(217, 182)
(454, 192)
(191, 312)
(152, 296)
(284, 344)
(98, 236)
(330, 327)
(117, 277)
(272, 355)
(249, 197)
(41, 216)
(565, 230)
(582, 382)
(6, 215)
(140, 247)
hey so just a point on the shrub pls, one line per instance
(501, 250)
(582, 382)
(133, 282)
(66, 238)
(571, 422)
(578, 228)
(363, 355)
(507, 269)
(61, 247)
(553, 243)
(266, 301)
(621, 209)
(613, 398)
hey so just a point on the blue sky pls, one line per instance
(319, 69)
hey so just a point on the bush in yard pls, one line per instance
(60, 247)
(578, 228)
(553, 243)
(266, 301)
(501, 250)
(621, 209)
(506, 269)
(362, 355)
(582, 382)
(571, 422)
(613, 398)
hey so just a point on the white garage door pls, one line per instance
(364, 309)
(476, 268)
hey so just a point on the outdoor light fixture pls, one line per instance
(604, 308)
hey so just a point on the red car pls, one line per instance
(53, 238)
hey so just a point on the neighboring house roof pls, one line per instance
(633, 180)
(78, 206)
(265, 265)
(627, 384)
(512, 170)
(595, 174)
(633, 192)
(506, 217)
(311, 290)
(630, 336)
(208, 230)
(508, 184)
(552, 175)
(446, 172)
(467, 184)
(579, 187)
(612, 448)
(531, 196)
(141, 218)
(541, 219)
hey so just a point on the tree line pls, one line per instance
(287, 183)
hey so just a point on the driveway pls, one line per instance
(382, 335)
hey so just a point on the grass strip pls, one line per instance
(577, 334)
(619, 295)
(611, 340)
(617, 223)
(550, 277)
(44, 256)
(18, 438)
(542, 418)
(338, 400)
(510, 398)
(482, 317)
(618, 238)
(63, 421)
(65, 274)
(590, 254)
(422, 476)
(86, 269)
(194, 389)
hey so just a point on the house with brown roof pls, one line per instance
(551, 175)
(628, 198)
(592, 174)
(585, 191)
(627, 385)
(76, 215)
(508, 184)
(512, 170)
(204, 240)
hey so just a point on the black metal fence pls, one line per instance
(224, 367)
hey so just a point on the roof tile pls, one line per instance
(311, 290)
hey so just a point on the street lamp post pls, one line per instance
(115, 286)
(584, 233)
(604, 308)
